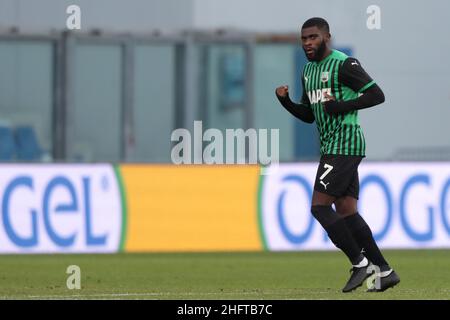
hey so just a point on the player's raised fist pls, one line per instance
(282, 91)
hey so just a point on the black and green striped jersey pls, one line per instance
(342, 77)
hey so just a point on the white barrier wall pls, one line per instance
(407, 205)
(59, 208)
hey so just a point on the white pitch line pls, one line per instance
(156, 294)
(151, 294)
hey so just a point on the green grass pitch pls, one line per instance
(425, 274)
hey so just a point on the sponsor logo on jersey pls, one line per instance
(318, 95)
(324, 76)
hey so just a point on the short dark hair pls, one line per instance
(317, 22)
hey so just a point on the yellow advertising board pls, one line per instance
(191, 208)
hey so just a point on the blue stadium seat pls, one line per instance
(28, 148)
(7, 144)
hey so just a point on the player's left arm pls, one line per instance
(355, 77)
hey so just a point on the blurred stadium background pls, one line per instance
(86, 118)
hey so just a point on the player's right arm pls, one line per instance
(301, 111)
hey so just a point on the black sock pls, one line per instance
(338, 232)
(363, 235)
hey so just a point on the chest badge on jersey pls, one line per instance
(324, 76)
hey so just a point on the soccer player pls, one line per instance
(335, 87)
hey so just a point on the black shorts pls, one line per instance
(337, 176)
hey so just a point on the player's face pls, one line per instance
(314, 43)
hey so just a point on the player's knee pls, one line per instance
(341, 208)
(325, 215)
(320, 211)
(315, 210)
(345, 208)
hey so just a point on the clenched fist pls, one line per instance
(283, 91)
